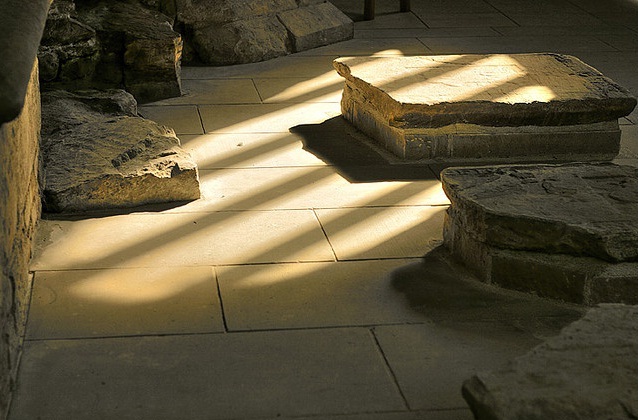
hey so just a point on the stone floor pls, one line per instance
(309, 281)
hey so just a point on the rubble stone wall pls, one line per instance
(19, 212)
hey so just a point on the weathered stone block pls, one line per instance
(245, 31)
(242, 41)
(99, 155)
(518, 107)
(568, 232)
(589, 371)
(316, 25)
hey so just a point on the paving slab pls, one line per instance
(181, 239)
(303, 188)
(324, 88)
(443, 291)
(284, 296)
(184, 119)
(367, 47)
(219, 376)
(264, 118)
(589, 371)
(195, 91)
(564, 231)
(102, 303)
(516, 107)
(430, 361)
(248, 150)
(382, 232)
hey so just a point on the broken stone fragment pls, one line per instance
(589, 371)
(98, 154)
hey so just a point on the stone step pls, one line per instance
(563, 231)
(511, 107)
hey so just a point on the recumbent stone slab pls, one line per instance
(517, 107)
(589, 371)
(98, 154)
(563, 231)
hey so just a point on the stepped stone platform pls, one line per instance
(568, 232)
(98, 154)
(514, 108)
(589, 371)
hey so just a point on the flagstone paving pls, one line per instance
(309, 281)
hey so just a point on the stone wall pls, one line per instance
(19, 212)
(22, 23)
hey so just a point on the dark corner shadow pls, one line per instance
(339, 144)
(441, 289)
(107, 212)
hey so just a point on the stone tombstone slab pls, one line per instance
(98, 154)
(588, 371)
(511, 107)
(563, 231)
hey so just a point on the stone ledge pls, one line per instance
(589, 371)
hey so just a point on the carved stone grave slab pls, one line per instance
(499, 107)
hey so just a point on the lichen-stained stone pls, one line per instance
(98, 154)
(519, 107)
(316, 25)
(564, 231)
(589, 371)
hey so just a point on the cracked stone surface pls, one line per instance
(564, 231)
(98, 154)
(589, 371)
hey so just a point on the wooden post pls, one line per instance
(368, 10)
(405, 5)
